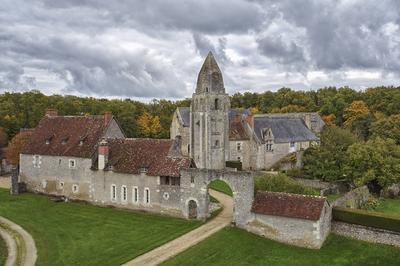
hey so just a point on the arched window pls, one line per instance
(216, 104)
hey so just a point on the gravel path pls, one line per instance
(176, 246)
(20, 244)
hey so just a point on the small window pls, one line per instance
(166, 195)
(268, 146)
(239, 146)
(75, 188)
(292, 144)
(144, 169)
(47, 141)
(216, 143)
(61, 185)
(72, 163)
(147, 195)
(192, 179)
(81, 143)
(135, 196)
(36, 161)
(216, 104)
(188, 148)
(124, 194)
(207, 90)
(113, 193)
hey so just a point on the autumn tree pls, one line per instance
(3, 138)
(149, 125)
(17, 144)
(358, 118)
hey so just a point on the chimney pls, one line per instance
(107, 118)
(51, 112)
(104, 151)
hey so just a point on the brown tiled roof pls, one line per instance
(288, 205)
(237, 131)
(64, 134)
(130, 155)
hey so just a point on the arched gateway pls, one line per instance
(194, 183)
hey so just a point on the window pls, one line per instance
(47, 141)
(166, 195)
(239, 146)
(36, 161)
(239, 158)
(268, 146)
(124, 194)
(216, 104)
(192, 179)
(216, 144)
(144, 169)
(61, 185)
(170, 180)
(188, 148)
(113, 193)
(147, 195)
(292, 144)
(206, 89)
(135, 195)
(75, 188)
(72, 163)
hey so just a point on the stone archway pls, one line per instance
(195, 186)
(192, 209)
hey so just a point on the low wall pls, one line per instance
(366, 233)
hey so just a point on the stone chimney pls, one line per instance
(104, 151)
(107, 118)
(51, 112)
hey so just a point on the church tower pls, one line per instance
(209, 121)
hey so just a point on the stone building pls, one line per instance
(89, 158)
(212, 133)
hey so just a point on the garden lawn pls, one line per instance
(3, 251)
(221, 186)
(233, 246)
(390, 206)
(82, 234)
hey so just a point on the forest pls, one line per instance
(361, 141)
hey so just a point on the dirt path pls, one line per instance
(20, 244)
(176, 246)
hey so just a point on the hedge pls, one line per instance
(234, 164)
(372, 219)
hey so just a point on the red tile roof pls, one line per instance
(288, 205)
(237, 131)
(131, 155)
(64, 134)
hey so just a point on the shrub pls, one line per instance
(372, 219)
(282, 183)
(371, 204)
(234, 164)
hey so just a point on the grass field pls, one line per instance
(391, 206)
(3, 251)
(79, 234)
(232, 246)
(220, 186)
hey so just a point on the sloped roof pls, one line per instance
(316, 122)
(64, 134)
(157, 155)
(288, 205)
(237, 131)
(184, 113)
(284, 129)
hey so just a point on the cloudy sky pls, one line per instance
(154, 49)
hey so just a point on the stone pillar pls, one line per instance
(103, 154)
(14, 190)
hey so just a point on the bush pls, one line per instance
(234, 164)
(282, 183)
(372, 219)
(371, 204)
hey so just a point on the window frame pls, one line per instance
(124, 193)
(135, 195)
(113, 193)
(75, 190)
(72, 161)
(146, 197)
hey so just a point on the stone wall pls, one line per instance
(354, 199)
(293, 231)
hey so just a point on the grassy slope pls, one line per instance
(232, 246)
(3, 251)
(72, 233)
(391, 206)
(221, 186)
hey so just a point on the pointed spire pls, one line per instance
(210, 77)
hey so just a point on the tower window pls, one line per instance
(217, 143)
(216, 104)
(206, 89)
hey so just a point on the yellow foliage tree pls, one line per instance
(254, 110)
(149, 125)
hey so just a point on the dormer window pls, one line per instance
(82, 139)
(64, 140)
(144, 170)
(47, 141)
(80, 142)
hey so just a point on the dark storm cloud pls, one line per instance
(154, 48)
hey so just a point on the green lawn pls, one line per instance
(221, 186)
(80, 234)
(3, 251)
(391, 206)
(232, 246)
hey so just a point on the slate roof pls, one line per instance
(316, 121)
(157, 155)
(184, 113)
(284, 129)
(288, 205)
(64, 134)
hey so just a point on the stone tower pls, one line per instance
(209, 122)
